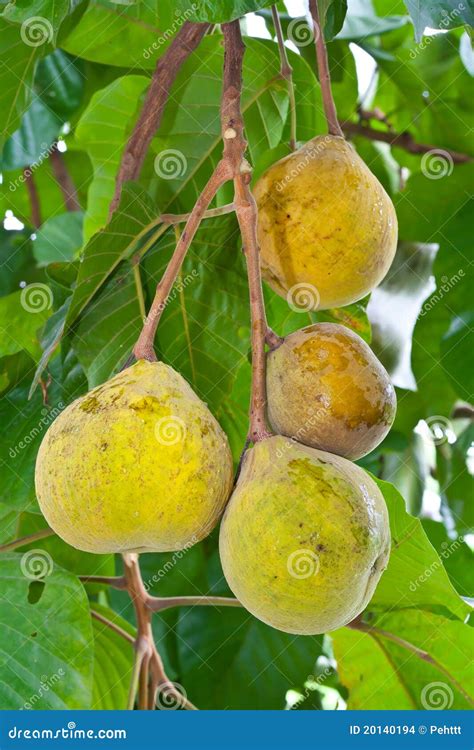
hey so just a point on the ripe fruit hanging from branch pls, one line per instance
(326, 223)
(138, 464)
(327, 389)
(305, 537)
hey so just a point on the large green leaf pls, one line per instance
(46, 644)
(439, 14)
(415, 576)
(60, 82)
(381, 674)
(40, 19)
(102, 132)
(26, 313)
(217, 11)
(113, 662)
(38, 130)
(17, 71)
(59, 238)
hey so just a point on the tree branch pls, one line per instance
(64, 180)
(159, 604)
(401, 140)
(286, 72)
(167, 68)
(323, 69)
(33, 197)
(24, 540)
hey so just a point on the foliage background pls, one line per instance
(71, 311)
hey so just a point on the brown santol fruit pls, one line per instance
(328, 390)
(326, 227)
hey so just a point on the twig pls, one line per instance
(33, 197)
(376, 633)
(116, 628)
(64, 180)
(286, 72)
(402, 140)
(144, 347)
(324, 75)
(167, 68)
(159, 604)
(22, 541)
(209, 214)
(116, 582)
(246, 210)
(272, 339)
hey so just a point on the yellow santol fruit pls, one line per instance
(138, 464)
(327, 389)
(327, 229)
(305, 537)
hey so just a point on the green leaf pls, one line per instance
(17, 70)
(248, 664)
(456, 555)
(360, 27)
(60, 82)
(382, 675)
(455, 475)
(38, 130)
(439, 14)
(26, 313)
(415, 576)
(40, 19)
(218, 11)
(113, 662)
(59, 238)
(46, 651)
(102, 132)
(16, 260)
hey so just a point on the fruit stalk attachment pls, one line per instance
(323, 68)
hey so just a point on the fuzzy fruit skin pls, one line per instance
(138, 464)
(325, 222)
(305, 537)
(328, 390)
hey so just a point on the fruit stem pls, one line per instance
(159, 604)
(209, 214)
(286, 72)
(323, 68)
(246, 209)
(143, 349)
(377, 633)
(167, 68)
(22, 541)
